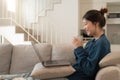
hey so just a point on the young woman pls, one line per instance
(87, 58)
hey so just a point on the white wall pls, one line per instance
(3, 8)
(98, 4)
(28, 11)
(0, 8)
(64, 20)
(85, 5)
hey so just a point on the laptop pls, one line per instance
(50, 63)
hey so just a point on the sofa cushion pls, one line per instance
(5, 58)
(23, 59)
(109, 73)
(42, 72)
(110, 59)
(63, 51)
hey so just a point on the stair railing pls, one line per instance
(22, 27)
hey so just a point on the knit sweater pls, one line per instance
(87, 58)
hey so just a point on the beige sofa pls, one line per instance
(22, 58)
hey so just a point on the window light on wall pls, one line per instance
(11, 5)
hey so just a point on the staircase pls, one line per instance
(26, 36)
(17, 33)
(49, 6)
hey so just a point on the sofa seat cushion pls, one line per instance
(41, 72)
(110, 59)
(5, 58)
(63, 52)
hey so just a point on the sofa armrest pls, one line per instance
(108, 73)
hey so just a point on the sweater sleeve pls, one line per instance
(87, 63)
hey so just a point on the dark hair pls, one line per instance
(96, 16)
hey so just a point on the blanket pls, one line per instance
(23, 76)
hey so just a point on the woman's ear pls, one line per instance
(96, 23)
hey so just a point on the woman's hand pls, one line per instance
(76, 42)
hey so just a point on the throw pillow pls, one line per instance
(110, 59)
(42, 72)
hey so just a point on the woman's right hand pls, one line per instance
(76, 42)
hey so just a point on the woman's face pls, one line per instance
(89, 27)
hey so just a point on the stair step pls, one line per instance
(20, 30)
(43, 13)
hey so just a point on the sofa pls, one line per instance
(17, 59)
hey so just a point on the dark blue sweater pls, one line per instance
(87, 59)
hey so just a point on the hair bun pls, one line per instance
(103, 10)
